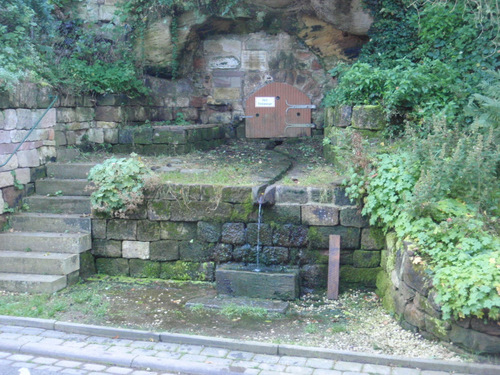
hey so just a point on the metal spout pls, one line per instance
(264, 195)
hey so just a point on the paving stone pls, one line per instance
(246, 364)
(299, 370)
(405, 371)
(20, 357)
(5, 361)
(142, 344)
(242, 356)
(252, 371)
(191, 349)
(74, 344)
(24, 364)
(147, 352)
(31, 331)
(272, 367)
(167, 346)
(321, 371)
(434, 373)
(347, 366)
(11, 329)
(93, 367)
(98, 373)
(4, 354)
(26, 339)
(53, 334)
(377, 369)
(10, 336)
(121, 349)
(68, 364)
(215, 352)
(141, 372)
(264, 358)
(193, 358)
(219, 361)
(50, 368)
(119, 370)
(96, 347)
(320, 363)
(169, 355)
(122, 342)
(292, 361)
(45, 360)
(51, 341)
(73, 371)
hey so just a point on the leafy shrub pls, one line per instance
(453, 241)
(119, 185)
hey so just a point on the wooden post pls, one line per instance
(333, 267)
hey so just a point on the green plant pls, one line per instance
(233, 311)
(17, 184)
(118, 184)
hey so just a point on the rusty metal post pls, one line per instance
(333, 267)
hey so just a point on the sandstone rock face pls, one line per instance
(346, 15)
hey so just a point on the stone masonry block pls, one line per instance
(351, 217)
(144, 268)
(108, 114)
(222, 252)
(148, 230)
(366, 259)
(209, 232)
(369, 117)
(349, 237)
(12, 164)
(113, 267)
(122, 230)
(23, 175)
(135, 249)
(265, 237)
(106, 248)
(164, 250)
(290, 235)
(6, 179)
(48, 121)
(287, 194)
(24, 119)
(341, 199)
(65, 115)
(179, 231)
(28, 158)
(233, 233)
(158, 210)
(372, 239)
(320, 215)
(194, 251)
(8, 119)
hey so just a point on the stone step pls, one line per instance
(38, 263)
(43, 222)
(73, 243)
(51, 186)
(69, 171)
(17, 282)
(58, 205)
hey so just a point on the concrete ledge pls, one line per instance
(255, 347)
(247, 346)
(84, 329)
(28, 322)
(183, 367)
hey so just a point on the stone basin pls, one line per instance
(240, 280)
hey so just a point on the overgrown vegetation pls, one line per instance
(118, 185)
(436, 180)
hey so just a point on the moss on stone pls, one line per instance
(144, 269)
(182, 270)
(361, 276)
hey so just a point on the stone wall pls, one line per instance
(185, 230)
(407, 291)
(19, 111)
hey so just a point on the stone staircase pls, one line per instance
(42, 251)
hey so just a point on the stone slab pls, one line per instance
(220, 302)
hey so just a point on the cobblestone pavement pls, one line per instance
(48, 352)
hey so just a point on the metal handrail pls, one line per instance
(29, 133)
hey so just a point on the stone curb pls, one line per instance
(230, 344)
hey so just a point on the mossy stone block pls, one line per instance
(368, 117)
(341, 116)
(366, 259)
(200, 211)
(169, 136)
(122, 229)
(314, 276)
(113, 266)
(274, 255)
(87, 265)
(222, 252)
(209, 232)
(98, 228)
(159, 210)
(144, 268)
(182, 270)
(361, 276)
(164, 250)
(179, 231)
(372, 239)
(264, 236)
(143, 135)
(194, 251)
(290, 235)
(107, 248)
(148, 230)
(341, 198)
(349, 237)
(237, 194)
(352, 217)
(286, 214)
(234, 233)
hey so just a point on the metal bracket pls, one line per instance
(299, 106)
(242, 117)
(312, 126)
